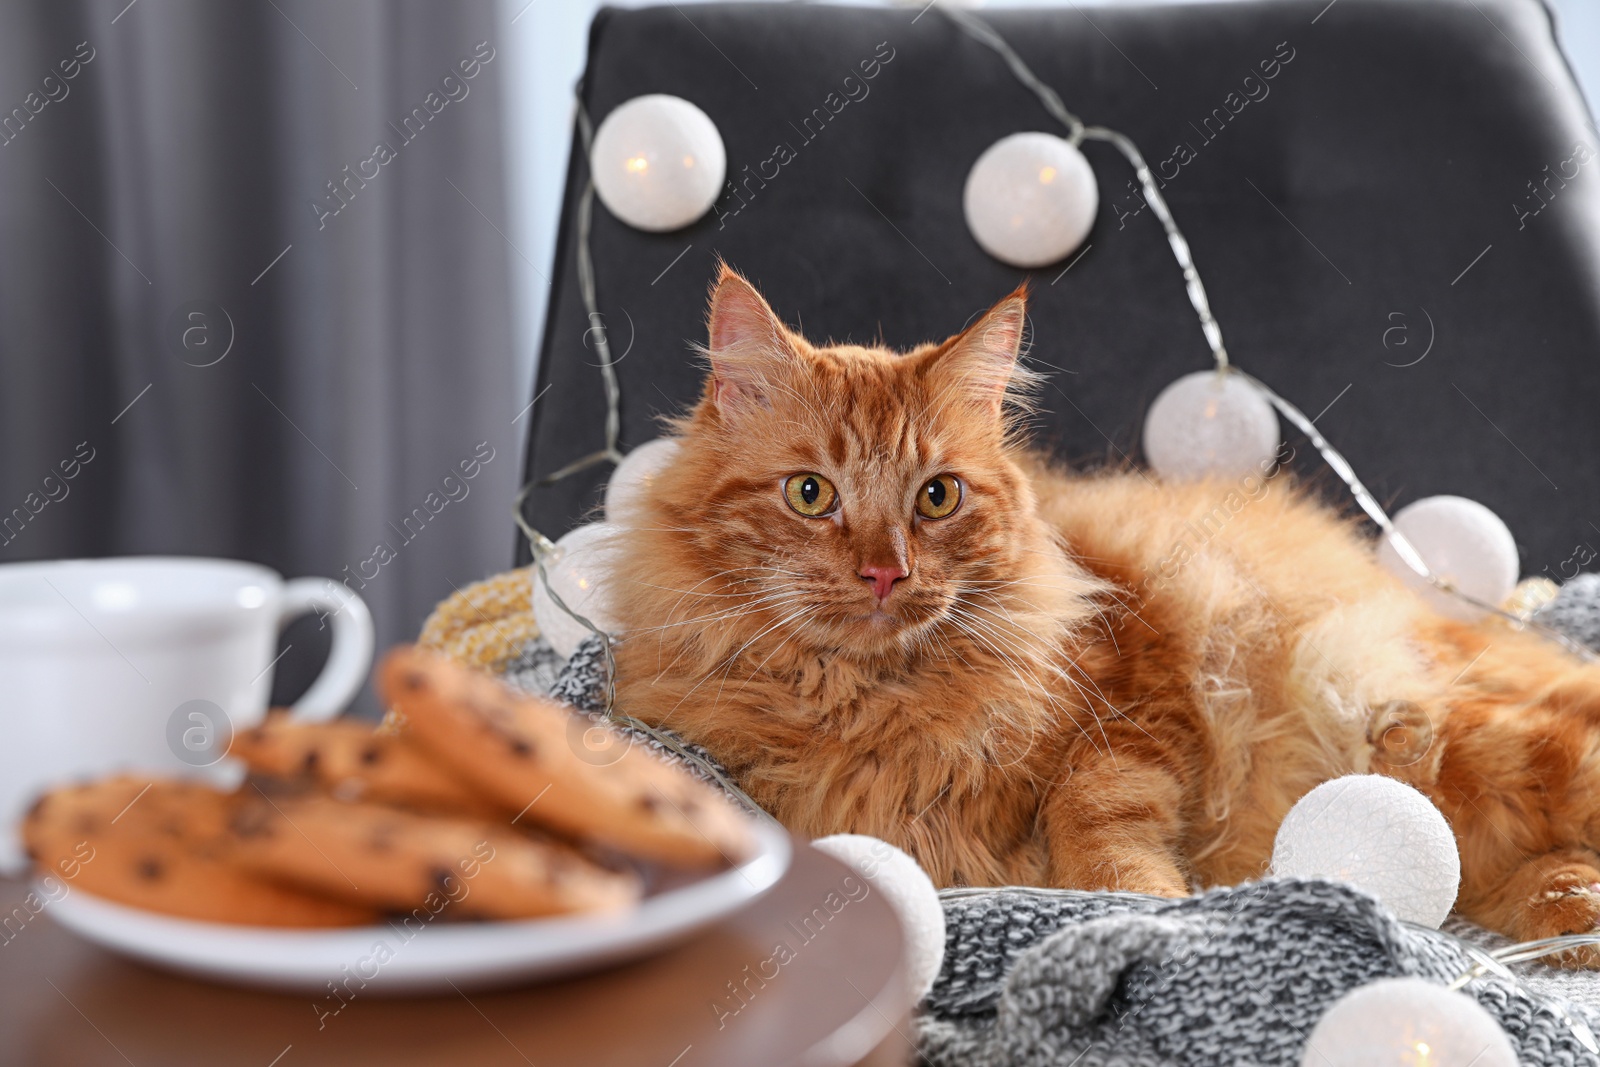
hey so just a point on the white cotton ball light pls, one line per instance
(1407, 1022)
(658, 162)
(1030, 199)
(1461, 541)
(636, 475)
(909, 891)
(1210, 423)
(1380, 835)
(578, 569)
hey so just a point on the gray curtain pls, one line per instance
(182, 176)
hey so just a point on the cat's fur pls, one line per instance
(1096, 681)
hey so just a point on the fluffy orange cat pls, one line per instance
(861, 591)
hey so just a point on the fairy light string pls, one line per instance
(597, 323)
(1077, 132)
(542, 548)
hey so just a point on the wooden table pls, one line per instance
(840, 1000)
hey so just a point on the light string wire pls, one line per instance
(591, 306)
(543, 549)
(981, 31)
(1490, 962)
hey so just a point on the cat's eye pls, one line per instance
(940, 497)
(811, 495)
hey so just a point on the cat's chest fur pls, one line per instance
(921, 756)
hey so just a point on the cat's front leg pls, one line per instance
(1557, 893)
(1114, 823)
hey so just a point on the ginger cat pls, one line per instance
(862, 592)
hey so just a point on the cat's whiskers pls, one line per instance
(726, 615)
(1004, 647)
(745, 604)
(732, 659)
(1092, 587)
(758, 667)
(1036, 689)
(1048, 652)
(1043, 655)
(744, 600)
(1123, 604)
(694, 590)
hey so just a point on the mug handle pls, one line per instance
(351, 655)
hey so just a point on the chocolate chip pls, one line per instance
(442, 877)
(150, 869)
(650, 802)
(371, 754)
(414, 680)
(251, 822)
(559, 869)
(522, 748)
(313, 757)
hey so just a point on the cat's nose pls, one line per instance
(882, 578)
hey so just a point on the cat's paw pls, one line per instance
(1568, 904)
(1150, 875)
(1153, 880)
(1552, 895)
(1173, 887)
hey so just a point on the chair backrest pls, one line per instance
(1393, 204)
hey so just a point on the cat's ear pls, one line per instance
(981, 361)
(748, 345)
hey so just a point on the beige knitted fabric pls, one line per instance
(487, 624)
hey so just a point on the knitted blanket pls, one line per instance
(1233, 976)
(1040, 977)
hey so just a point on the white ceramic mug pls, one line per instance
(149, 664)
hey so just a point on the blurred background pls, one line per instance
(274, 274)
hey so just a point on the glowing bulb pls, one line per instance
(1016, 208)
(631, 161)
(1462, 542)
(1381, 836)
(1207, 423)
(577, 569)
(1407, 1022)
(636, 476)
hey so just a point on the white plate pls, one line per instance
(424, 958)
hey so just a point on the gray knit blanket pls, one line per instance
(1229, 978)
